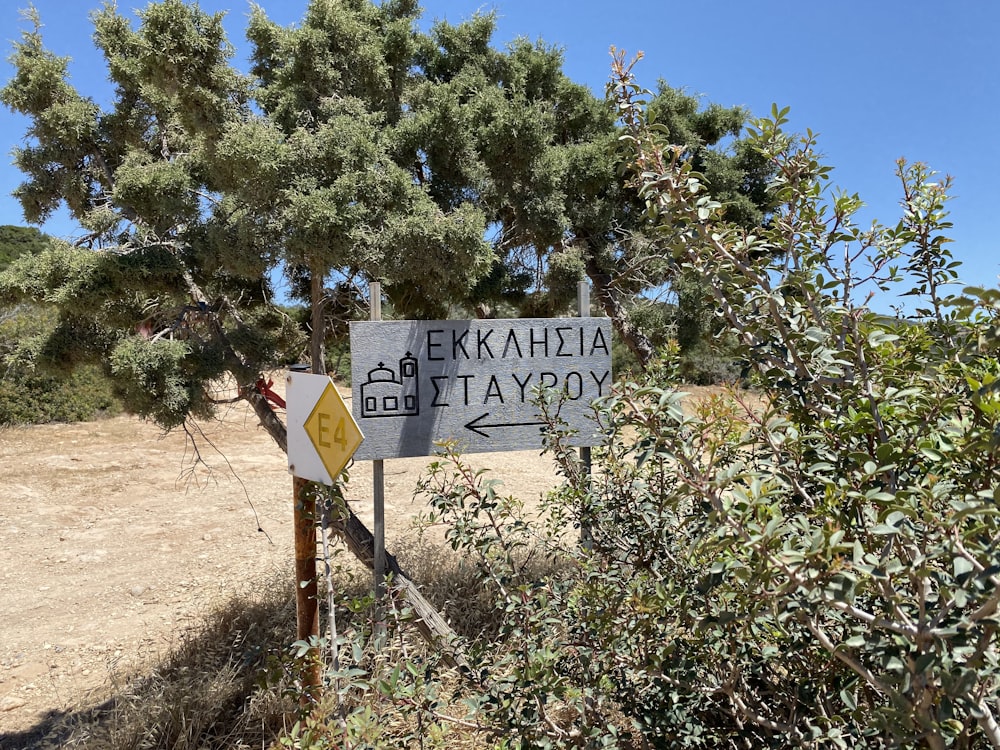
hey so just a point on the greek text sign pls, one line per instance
(419, 382)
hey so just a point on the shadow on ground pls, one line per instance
(210, 692)
(232, 684)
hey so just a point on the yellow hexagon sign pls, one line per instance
(333, 431)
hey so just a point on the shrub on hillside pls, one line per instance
(709, 364)
(33, 396)
(84, 394)
(16, 241)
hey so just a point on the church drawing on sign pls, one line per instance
(388, 393)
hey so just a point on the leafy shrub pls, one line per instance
(30, 396)
(338, 360)
(709, 364)
(16, 241)
(33, 396)
(816, 567)
(655, 319)
(83, 395)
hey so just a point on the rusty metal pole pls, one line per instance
(583, 303)
(304, 521)
(306, 587)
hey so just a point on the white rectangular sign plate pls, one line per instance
(419, 382)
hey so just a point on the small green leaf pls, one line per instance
(961, 567)
(932, 454)
(884, 529)
(924, 661)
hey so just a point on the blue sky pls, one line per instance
(877, 79)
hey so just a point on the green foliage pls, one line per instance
(813, 565)
(195, 182)
(820, 567)
(153, 379)
(657, 321)
(358, 148)
(707, 353)
(30, 398)
(710, 363)
(338, 362)
(33, 390)
(17, 241)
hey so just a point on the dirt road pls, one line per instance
(115, 540)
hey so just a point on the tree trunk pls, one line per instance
(317, 339)
(270, 421)
(631, 334)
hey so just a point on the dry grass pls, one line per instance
(205, 694)
(232, 684)
(453, 584)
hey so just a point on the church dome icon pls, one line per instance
(381, 373)
(391, 393)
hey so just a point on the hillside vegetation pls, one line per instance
(33, 389)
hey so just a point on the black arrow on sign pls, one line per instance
(476, 427)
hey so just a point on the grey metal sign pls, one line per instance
(419, 382)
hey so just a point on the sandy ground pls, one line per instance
(114, 542)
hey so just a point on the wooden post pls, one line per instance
(304, 521)
(378, 486)
(306, 589)
(583, 303)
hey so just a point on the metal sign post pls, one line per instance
(583, 303)
(306, 586)
(378, 485)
